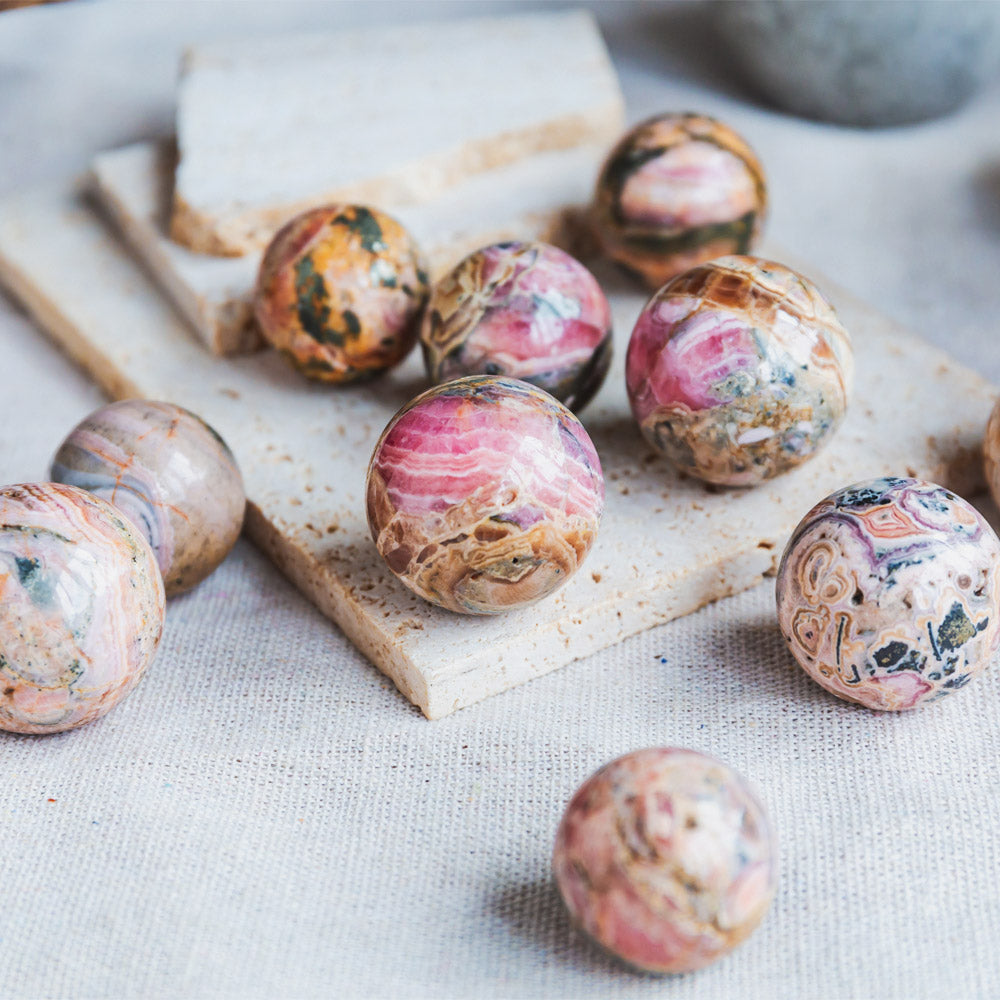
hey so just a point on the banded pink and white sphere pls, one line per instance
(678, 190)
(172, 476)
(81, 607)
(484, 494)
(525, 310)
(888, 593)
(738, 370)
(665, 857)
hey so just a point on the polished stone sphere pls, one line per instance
(738, 370)
(340, 292)
(81, 607)
(484, 494)
(526, 310)
(678, 190)
(665, 857)
(888, 593)
(169, 473)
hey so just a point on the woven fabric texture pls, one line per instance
(266, 817)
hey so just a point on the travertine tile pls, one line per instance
(386, 115)
(667, 546)
(532, 199)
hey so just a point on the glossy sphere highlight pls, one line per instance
(665, 858)
(484, 494)
(169, 473)
(526, 310)
(738, 370)
(81, 607)
(888, 595)
(340, 292)
(676, 191)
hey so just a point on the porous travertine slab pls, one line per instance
(666, 547)
(387, 116)
(213, 294)
(527, 200)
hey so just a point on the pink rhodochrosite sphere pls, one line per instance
(484, 494)
(677, 190)
(81, 607)
(665, 857)
(888, 593)
(526, 310)
(738, 370)
(340, 292)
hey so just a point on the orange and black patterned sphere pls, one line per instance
(676, 191)
(341, 291)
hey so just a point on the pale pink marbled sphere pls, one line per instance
(484, 494)
(169, 473)
(81, 607)
(665, 858)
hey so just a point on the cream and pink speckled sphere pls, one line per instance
(738, 370)
(665, 857)
(888, 593)
(170, 473)
(678, 190)
(484, 494)
(81, 607)
(341, 291)
(525, 310)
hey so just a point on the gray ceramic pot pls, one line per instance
(868, 62)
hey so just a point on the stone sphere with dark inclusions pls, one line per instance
(340, 292)
(525, 310)
(678, 190)
(888, 593)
